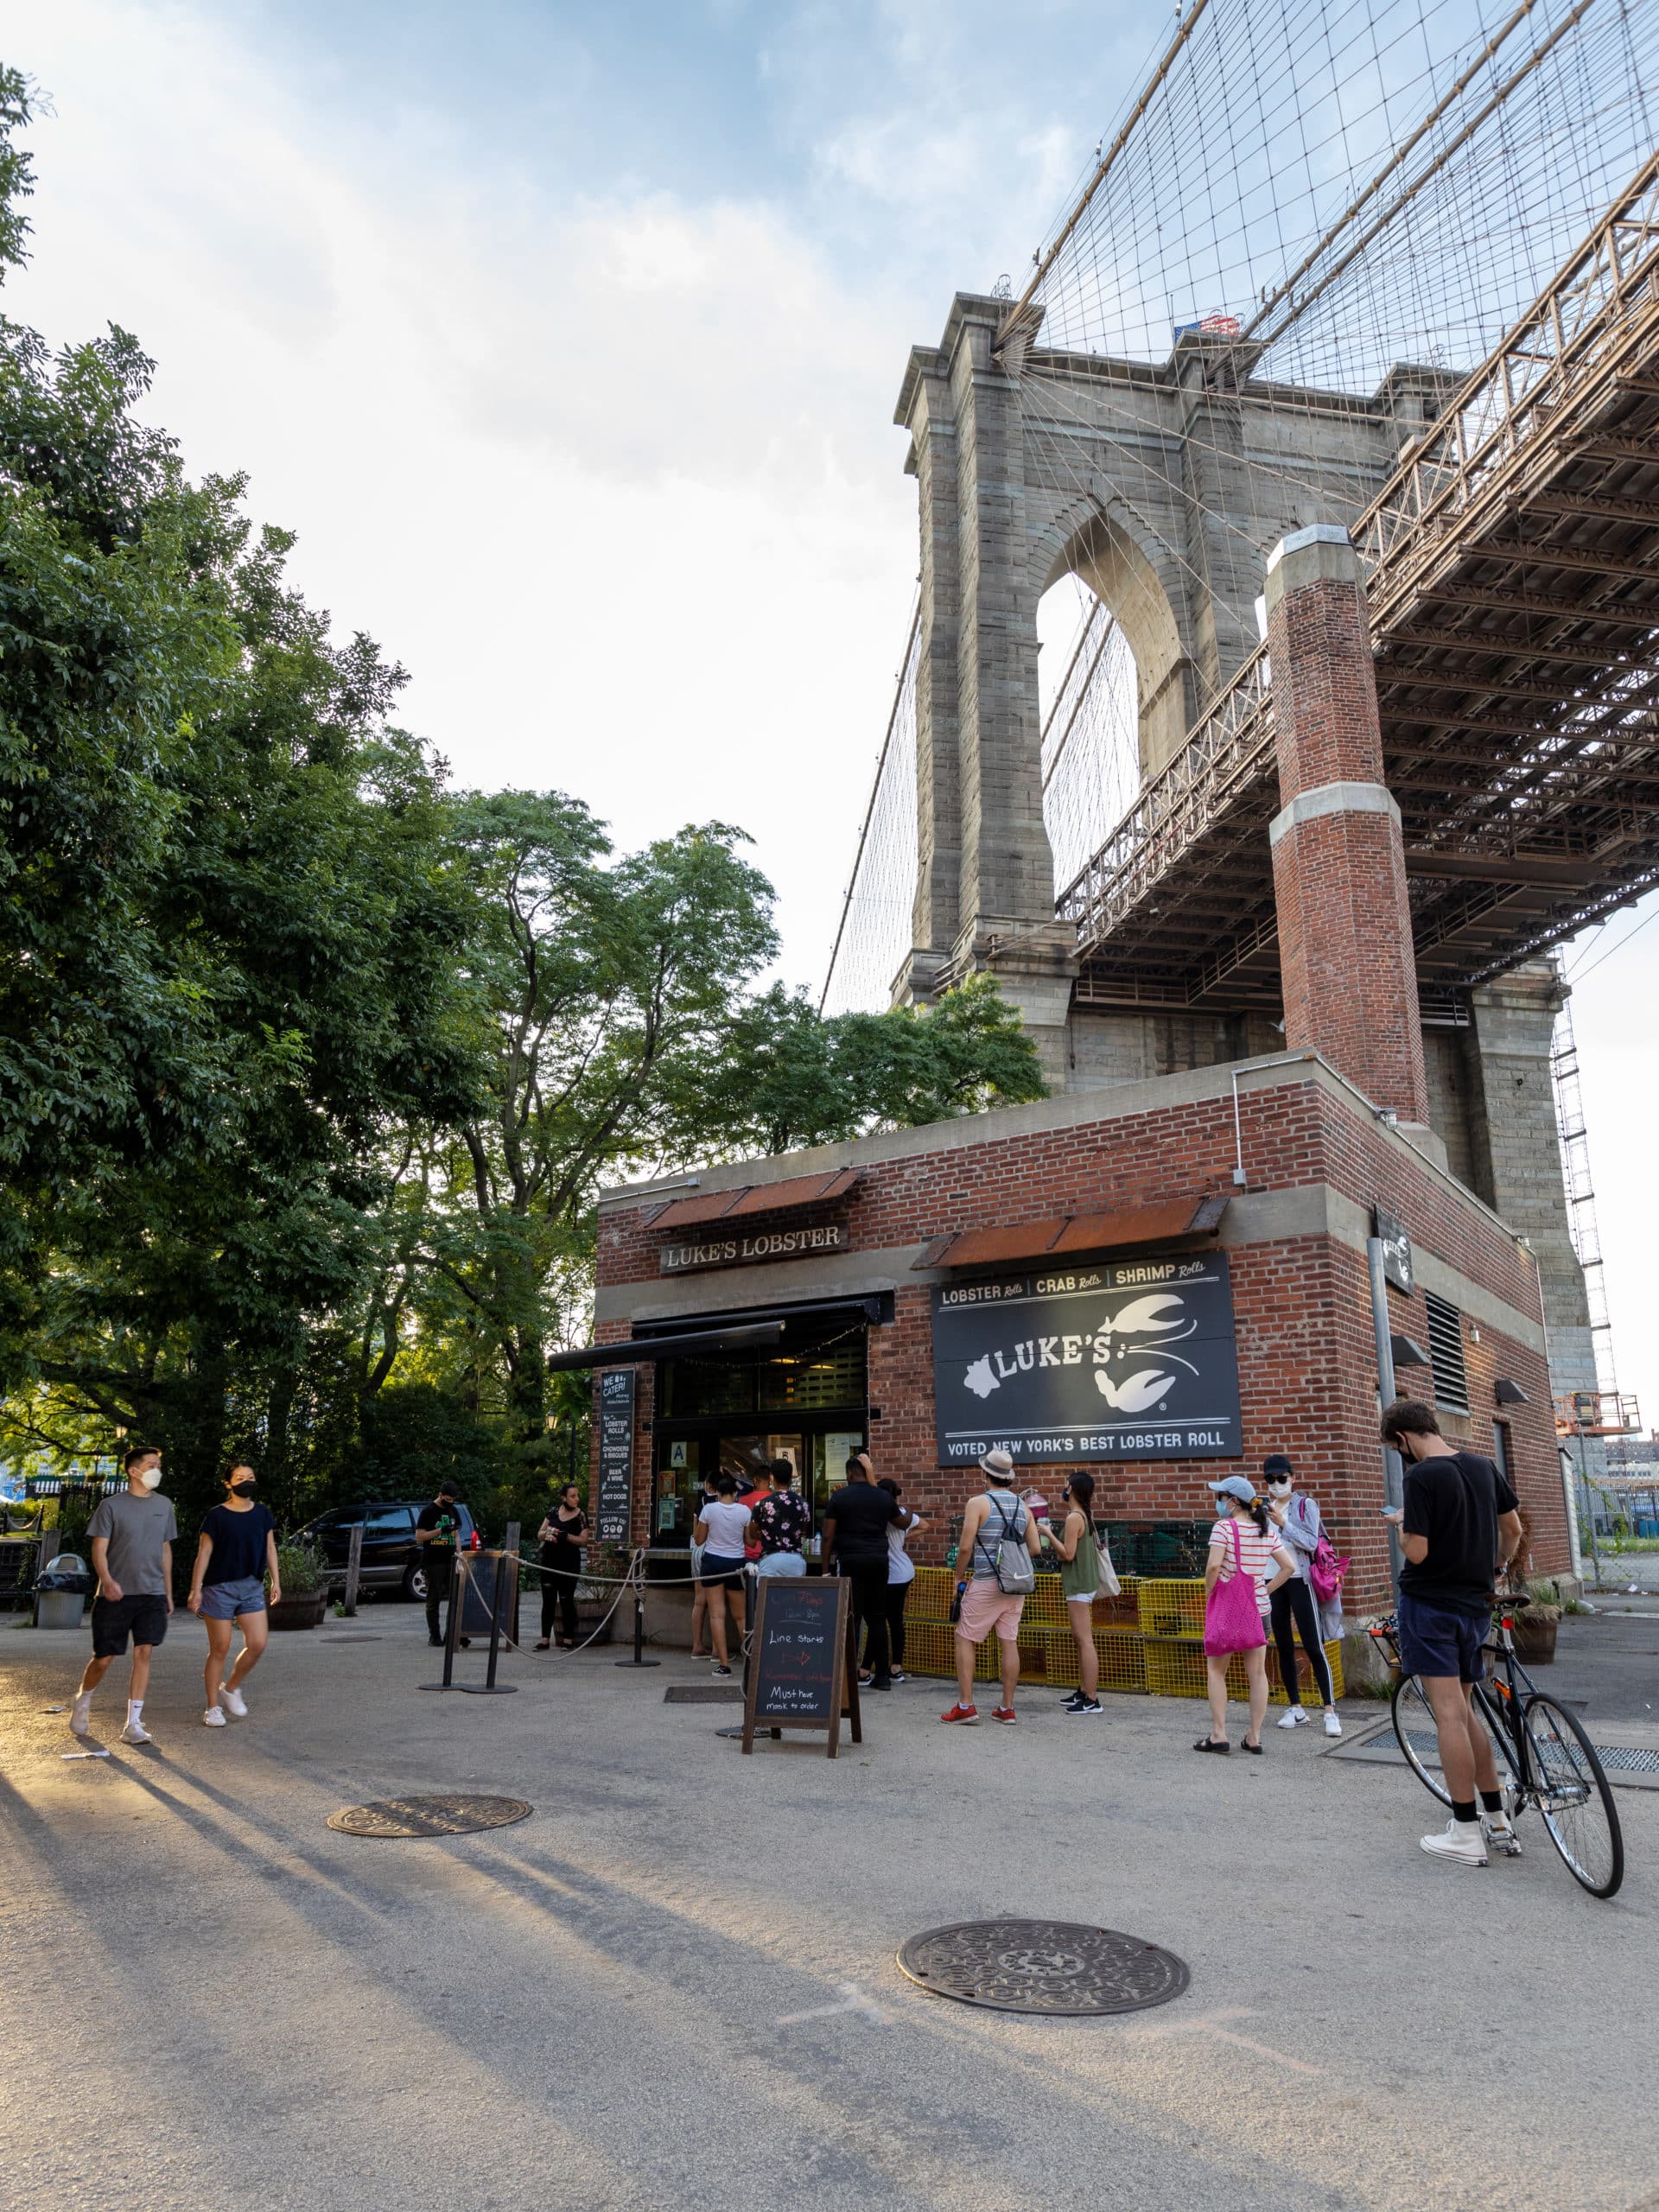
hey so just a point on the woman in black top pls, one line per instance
(562, 1536)
(235, 1552)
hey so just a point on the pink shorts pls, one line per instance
(984, 1607)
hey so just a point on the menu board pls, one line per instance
(800, 1672)
(615, 1518)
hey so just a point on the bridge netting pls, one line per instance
(1333, 189)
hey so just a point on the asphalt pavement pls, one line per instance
(675, 1983)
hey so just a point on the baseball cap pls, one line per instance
(1277, 1464)
(1237, 1486)
(996, 1463)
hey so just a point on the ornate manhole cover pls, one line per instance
(396, 1816)
(1044, 1966)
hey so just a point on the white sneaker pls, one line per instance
(213, 1719)
(136, 1732)
(81, 1715)
(234, 1701)
(1294, 1719)
(1499, 1829)
(1332, 1725)
(1460, 1841)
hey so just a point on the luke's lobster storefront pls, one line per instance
(1161, 1283)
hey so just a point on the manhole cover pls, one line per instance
(394, 1816)
(349, 1639)
(703, 1693)
(1044, 1966)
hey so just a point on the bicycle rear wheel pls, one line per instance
(1574, 1797)
(1418, 1736)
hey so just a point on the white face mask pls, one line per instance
(1279, 1490)
(152, 1477)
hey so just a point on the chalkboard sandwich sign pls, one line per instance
(802, 1673)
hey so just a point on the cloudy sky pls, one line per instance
(569, 338)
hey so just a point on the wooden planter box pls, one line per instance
(1534, 1641)
(305, 1611)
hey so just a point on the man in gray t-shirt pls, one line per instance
(132, 1535)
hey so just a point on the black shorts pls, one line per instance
(114, 1618)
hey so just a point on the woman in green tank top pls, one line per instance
(1085, 1569)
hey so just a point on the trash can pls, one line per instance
(60, 1592)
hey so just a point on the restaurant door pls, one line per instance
(804, 1401)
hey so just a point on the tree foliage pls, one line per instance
(310, 1068)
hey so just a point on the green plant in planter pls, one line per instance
(1546, 1597)
(297, 1565)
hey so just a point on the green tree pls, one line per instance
(612, 988)
(230, 927)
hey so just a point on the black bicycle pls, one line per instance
(1544, 1757)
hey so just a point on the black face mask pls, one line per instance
(242, 1490)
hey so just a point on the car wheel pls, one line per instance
(415, 1584)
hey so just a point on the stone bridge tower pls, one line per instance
(1164, 488)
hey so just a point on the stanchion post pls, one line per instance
(354, 1569)
(637, 1576)
(458, 1572)
(457, 1606)
(505, 1557)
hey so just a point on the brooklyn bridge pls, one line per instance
(1429, 361)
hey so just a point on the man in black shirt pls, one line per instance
(1460, 1525)
(855, 1524)
(437, 1533)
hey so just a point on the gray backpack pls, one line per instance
(1016, 1571)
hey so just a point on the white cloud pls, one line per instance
(615, 479)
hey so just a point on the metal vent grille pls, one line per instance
(1446, 1354)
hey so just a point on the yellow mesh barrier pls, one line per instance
(1121, 1653)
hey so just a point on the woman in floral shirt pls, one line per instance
(782, 1522)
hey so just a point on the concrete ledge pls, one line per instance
(1321, 554)
(1333, 798)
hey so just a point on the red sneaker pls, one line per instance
(966, 1713)
(1004, 1713)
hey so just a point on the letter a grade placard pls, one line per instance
(801, 1668)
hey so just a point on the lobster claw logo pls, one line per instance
(1143, 1329)
(1137, 1394)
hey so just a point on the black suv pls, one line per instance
(389, 1558)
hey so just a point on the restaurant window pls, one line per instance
(1446, 1354)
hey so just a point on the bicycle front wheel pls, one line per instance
(1573, 1796)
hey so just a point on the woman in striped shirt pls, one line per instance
(1242, 1542)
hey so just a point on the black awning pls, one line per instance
(758, 1336)
(874, 1307)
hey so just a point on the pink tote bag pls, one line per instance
(1232, 1619)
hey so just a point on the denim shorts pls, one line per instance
(225, 1601)
(719, 1573)
(787, 1564)
(1439, 1640)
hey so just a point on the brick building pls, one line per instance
(1317, 1158)
(1163, 1280)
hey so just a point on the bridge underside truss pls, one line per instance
(1513, 564)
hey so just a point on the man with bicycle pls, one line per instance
(1459, 1528)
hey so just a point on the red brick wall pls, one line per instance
(1306, 1364)
(1346, 956)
